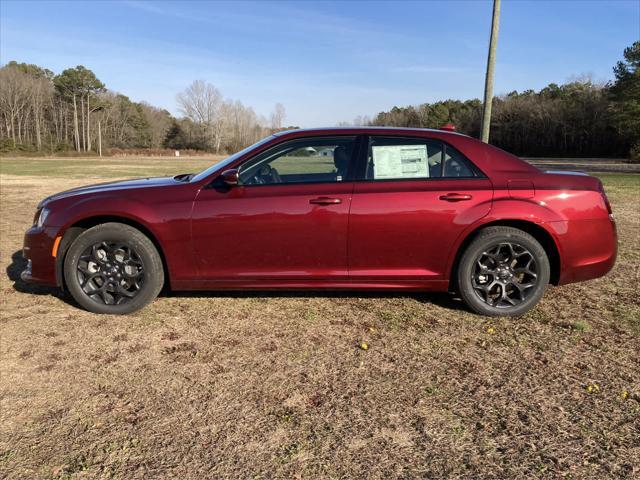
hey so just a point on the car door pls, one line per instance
(417, 197)
(285, 223)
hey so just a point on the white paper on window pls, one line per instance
(400, 161)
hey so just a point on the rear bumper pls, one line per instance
(37, 250)
(588, 248)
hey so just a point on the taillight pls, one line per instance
(606, 200)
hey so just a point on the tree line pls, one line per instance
(74, 111)
(578, 119)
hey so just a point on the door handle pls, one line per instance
(325, 201)
(455, 197)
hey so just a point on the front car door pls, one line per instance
(285, 223)
(417, 197)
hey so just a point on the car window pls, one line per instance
(314, 160)
(403, 158)
(396, 158)
(456, 164)
(220, 166)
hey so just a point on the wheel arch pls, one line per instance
(535, 230)
(73, 231)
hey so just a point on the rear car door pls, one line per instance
(416, 198)
(286, 222)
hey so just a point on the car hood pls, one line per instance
(111, 186)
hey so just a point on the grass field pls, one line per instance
(276, 385)
(94, 167)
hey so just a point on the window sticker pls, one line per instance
(400, 161)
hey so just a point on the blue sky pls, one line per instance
(325, 61)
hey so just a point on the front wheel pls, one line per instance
(113, 268)
(503, 272)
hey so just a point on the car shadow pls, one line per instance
(441, 299)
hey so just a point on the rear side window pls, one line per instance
(394, 158)
(456, 164)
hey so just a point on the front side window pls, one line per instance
(220, 166)
(392, 158)
(317, 160)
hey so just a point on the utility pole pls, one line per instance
(488, 82)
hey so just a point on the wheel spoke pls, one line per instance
(83, 270)
(90, 278)
(525, 271)
(102, 294)
(126, 293)
(505, 296)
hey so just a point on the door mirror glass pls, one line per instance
(230, 177)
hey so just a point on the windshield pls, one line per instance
(227, 161)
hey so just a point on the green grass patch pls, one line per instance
(581, 326)
(619, 180)
(103, 167)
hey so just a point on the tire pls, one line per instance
(503, 272)
(113, 268)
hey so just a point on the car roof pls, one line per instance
(364, 130)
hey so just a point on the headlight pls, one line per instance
(41, 217)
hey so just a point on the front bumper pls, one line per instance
(38, 251)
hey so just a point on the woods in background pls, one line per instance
(43, 112)
(73, 111)
(577, 119)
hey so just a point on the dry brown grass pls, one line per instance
(276, 386)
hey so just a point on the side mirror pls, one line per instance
(230, 177)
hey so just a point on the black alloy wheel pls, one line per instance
(113, 268)
(505, 275)
(111, 273)
(503, 272)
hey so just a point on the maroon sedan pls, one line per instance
(339, 208)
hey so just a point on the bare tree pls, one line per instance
(202, 103)
(242, 123)
(41, 95)
(277, 116)
(15, 96)
(75, 123)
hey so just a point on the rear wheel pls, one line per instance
(113, 268)
(503, 272)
